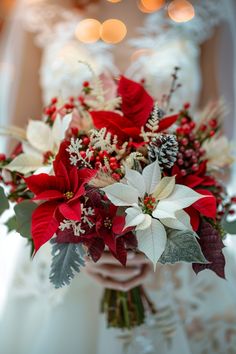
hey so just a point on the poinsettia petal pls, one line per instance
(25, 163)
(152, 176)
(159, 213)
(71, 211)
(39, 135)
(62, 175)
(44, 223)
(194, 217)
(136, 180)
(39, 183)
(51, 194)
(121, 194)
(134, 217)
(137, 104)
(152, 241)
(166, 122)
(164, 188)
(146, 223)
(60, 126)
(182, 221)
(180, 198)
(206, 206)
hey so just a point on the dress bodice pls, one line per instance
(160, 45)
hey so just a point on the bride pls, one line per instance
(41, 55)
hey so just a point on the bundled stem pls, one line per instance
(126, 310)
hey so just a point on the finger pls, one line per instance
(105, 282)
(136, 281)
(111, 270)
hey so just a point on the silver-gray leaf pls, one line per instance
(67, 259)
(182, 246)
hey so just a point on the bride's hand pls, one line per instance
(109, 273)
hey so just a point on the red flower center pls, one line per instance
(107, 223)
(149, 204)
(69, 195)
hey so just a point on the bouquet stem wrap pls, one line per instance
(126, 309)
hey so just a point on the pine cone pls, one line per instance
(165, 149)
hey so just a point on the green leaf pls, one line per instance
(229, 226)
(4, 203)
(24, 213)
(11, 224)
(67, 259)
(182, 246)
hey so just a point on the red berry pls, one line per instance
(98, 164)
(2, 157)
(113, 160)
(188, 153)
(194, 159)
(183, 172)
(184, 120)
(195, 167)
(86, 140)
(114, 166)
(231, 212)
(203, 127)
(187, 105)
(71, 99)
(54, 100)
(186, 128)
(201, 151)
(233, 199)
(212, 133)
(184, 141)
(191, 136)
(83, 154)
(98, 158)
(86, 84)
(196, 144)
(192, 125)
(116, 176)
(213, 123)
(180, 162)
(179, 131)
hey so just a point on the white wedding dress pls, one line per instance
(200, 311)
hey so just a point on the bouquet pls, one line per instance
(113, 169)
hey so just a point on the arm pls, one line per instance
(19, 85)
(209, 69)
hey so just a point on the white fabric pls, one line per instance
(37, 318)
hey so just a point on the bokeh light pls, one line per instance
(149, 6)
(114, 1)
(88, 30)
(181, 11)
(113, 31)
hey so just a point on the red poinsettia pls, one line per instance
(200, 182)
(136, 108)
(106, 232)
(61, 195)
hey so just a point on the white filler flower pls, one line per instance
(42, 145)
(154, 202)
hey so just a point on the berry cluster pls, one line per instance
(191, 139)
(101, 159)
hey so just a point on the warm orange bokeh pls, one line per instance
(150, 5)
(113, 31)
(114, 1)
(181, 11)
(88, 30)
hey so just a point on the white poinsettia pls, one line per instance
(153, 202)
(41, 146)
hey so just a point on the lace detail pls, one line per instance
(159, 28)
